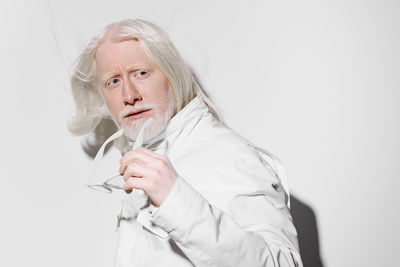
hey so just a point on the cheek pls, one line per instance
(164, 89)
(163, 96)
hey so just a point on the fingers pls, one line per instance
(136, 170)
(148, 171)
(142, 156)
(138, 156)
(134, 183)
(150, 153)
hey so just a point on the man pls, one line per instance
(198, 194)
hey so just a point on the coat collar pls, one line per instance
(179, 127)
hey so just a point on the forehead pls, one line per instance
(111, 54)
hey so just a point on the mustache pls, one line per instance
(129, 109)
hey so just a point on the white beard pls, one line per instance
(160, 122)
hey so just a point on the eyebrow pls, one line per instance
(107, 76)
(136, 66)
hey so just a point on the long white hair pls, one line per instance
(91, 111)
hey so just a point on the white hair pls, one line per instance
(91, 109)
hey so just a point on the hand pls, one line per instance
(146, 170)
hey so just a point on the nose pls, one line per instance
(130, 93)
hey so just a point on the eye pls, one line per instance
(141, 74)
(112, 82)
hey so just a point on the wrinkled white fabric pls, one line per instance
(228, 206)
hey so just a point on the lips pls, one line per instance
(137, 113)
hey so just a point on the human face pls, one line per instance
(133, 88)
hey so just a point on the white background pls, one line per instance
(315, 82)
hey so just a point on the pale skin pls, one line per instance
(149, 171)
(128, 77)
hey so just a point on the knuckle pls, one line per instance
(126, 186)
(126, 176)
(157, 173)
(127, 172)
(130, 168)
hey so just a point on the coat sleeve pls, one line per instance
(253, 227)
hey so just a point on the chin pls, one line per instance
(132, 129)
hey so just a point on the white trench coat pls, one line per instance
(227, 208)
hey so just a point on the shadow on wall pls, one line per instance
(306, 224)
